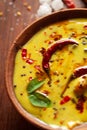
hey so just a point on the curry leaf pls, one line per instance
(39, 100)
(34, 84)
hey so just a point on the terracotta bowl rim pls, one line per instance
(8, 71)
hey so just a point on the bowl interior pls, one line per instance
(20, 41)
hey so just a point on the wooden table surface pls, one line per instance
(14, 17)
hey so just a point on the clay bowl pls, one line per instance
(20, 41)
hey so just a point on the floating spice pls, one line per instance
(80, 104)
(24, 53)
(65, 100)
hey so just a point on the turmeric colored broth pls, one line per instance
(62, 64)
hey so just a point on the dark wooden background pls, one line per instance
(14, 17)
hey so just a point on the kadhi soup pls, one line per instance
(50, 74)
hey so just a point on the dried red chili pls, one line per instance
(85, 27)
(69, 3)
(80, 103)
(77, 73)
(30, 78)
(30, 61)
(80, 71)
(65, 100)
(58, 45)
(26, 57)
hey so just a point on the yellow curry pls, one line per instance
(50, 74)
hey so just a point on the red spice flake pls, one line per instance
(40, 78)
(50, 42)
(53, 34)
(24, 53)
(44, 109)
(57, 37)
(56, 73)
(55, 115)
(73, 34)
(65, 100)
(80, 104)
(38, 67)
(85, 27)
(40, 74)
(46, 92)
(61, 122)
(26, 57)
(30, 61)
(46, 41)
(30, 78)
